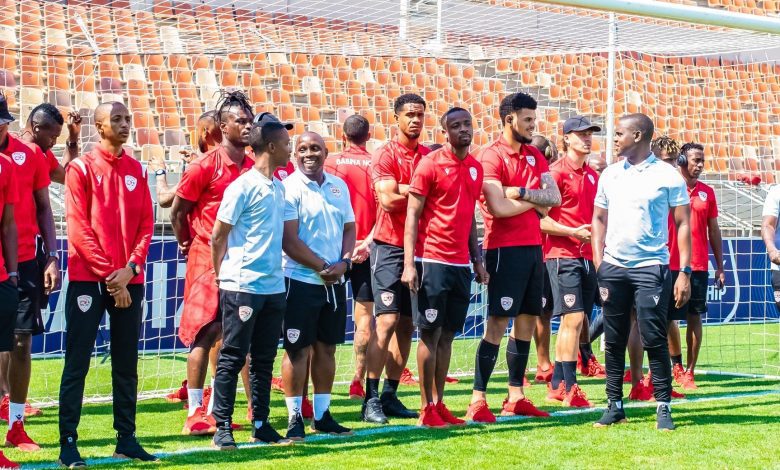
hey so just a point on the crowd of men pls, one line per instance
(270, 246)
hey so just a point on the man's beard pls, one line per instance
(520, 138)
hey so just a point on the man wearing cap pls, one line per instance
(33, 217)
(569, 257)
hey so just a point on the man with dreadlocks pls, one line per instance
(193, 214)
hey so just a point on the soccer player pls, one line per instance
(246, 251)
(353, 166)
(704, 230)
(513, 244)
(631, 258)
(440, 238)
(33, 217)
(392, 169)
(110, 226)
(319, 239)
(570, 257)
(769, 218)
(44, 126)
(193, 213)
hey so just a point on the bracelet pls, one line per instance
(69, 143)
(13, 274)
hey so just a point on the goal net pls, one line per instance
(315, 62)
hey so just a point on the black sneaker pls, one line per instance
(614, 414)
(663, 418)
(127, 447)
(223, 439)
(69, 454)
(295, 429)
(392, 407)
(329, 425)
(372, 412)
(266, 433)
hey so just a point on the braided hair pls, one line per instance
(229, 99)
(665, 144)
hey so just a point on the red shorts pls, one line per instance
(201, 294)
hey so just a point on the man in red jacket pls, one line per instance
(110, 225)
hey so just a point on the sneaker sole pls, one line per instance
(226, 448)
(123, 456)
(333, 433)
(23, 447)
(442, 426)
(665, 429)
(174, 400)
(509, 413)
(282, 442)
(471, 420)
(356, 397)
(205, 432)
(295, 439)
(553, 400)
(599, 425)
(73, 465)
(457, 424)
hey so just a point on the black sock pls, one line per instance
(677, 359)
(487, 353)
(372, 388)
(517, 360)
(569, 373)
(585, 353)
(390, 387)
(557, 376)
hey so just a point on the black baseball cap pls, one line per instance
(5, 116)
(578, 124)
(264, 118)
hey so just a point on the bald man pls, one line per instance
(318, 242)
(110, 224)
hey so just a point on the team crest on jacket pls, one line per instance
(431, 314)
(19, 158)
(544, 301)
(99, 179)
(604, 293)
(592, 179)
(569, 299)
(506, 303)
(703, 196)
(130, 182)
(293, 335)
(244, 313)
(336, 191)
(777, 296)
(283, 174)
(85, 301)
(531, 160)
(387, 298)
(473, 173)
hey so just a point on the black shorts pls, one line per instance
(360, 280)
(574, 285)
(443, 298)
(776, 288)
(315, 312)
(28, 312)
(547, 299)
(697, 304)
(9, 300)
(387, 265)
(42, 258)
(516, 281)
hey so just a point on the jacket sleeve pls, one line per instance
(80, 233)
(143, 236)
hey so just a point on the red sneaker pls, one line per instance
(556, 394)
(206, 398)
(522, 407)
(678, 374)
(6, 463)
(594, 369)
(627, 376)
(307, 411)
(179, 395)
(543, 376)
(4, 404)
(199, 424)
(480, 413)
(30, 410)
(447, 416)
(17, 437)
(676, 394)
(641, 392)
(451, 380)
(407, 378)
(276, 384)
(576, 398)
(689, 383)
(579, 362)
(213, 424)
(430, 418)
(356, 391)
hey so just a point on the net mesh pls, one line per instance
(315, 62)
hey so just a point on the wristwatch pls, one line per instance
(54, 254)
(134, 267)
(13, 274)
(348, 262)
(686, 269)
(71, 143)
(522, 192)
(160, 172)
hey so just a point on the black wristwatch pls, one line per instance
(686, 269)
(348, 262)
(160, 172)
(134, 267)
(522, 192)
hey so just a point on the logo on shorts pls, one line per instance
(506, 303)
(244, 313)
(283, 174)
(19, 158)
(84, 302)
(703, 196)
(99, 179)
(569, 299)
(293, 335)
(336, 191)
(531, 160)
(431, 314)
(387, 298)
(447, 171)
(544, 302)
(473, 173)
(604, 293)
(130, 182)
(656, 298)
(777, 296)
(592, 179)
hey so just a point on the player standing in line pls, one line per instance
(110, 226)
(513, 240)
(570, 257)
(44, 126)
(391, 170)
(704, 231)
(629, 234)
(33, 217)
(440, 238)
(353, 166)
(319, 239)
(769, 217)
(192, 216)
(247, 255)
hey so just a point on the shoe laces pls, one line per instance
(576, 391)
(664, 412)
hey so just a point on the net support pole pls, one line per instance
(439, 7)
(403, 18)
(610, 124)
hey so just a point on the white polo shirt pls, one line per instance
(638, 199)
(254, 206)
(772, 208)
(321, 212)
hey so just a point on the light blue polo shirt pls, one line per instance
(254, 206)
(638, 198)
(321, 212)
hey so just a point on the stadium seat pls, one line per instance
(147, 136)
(174, 137)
